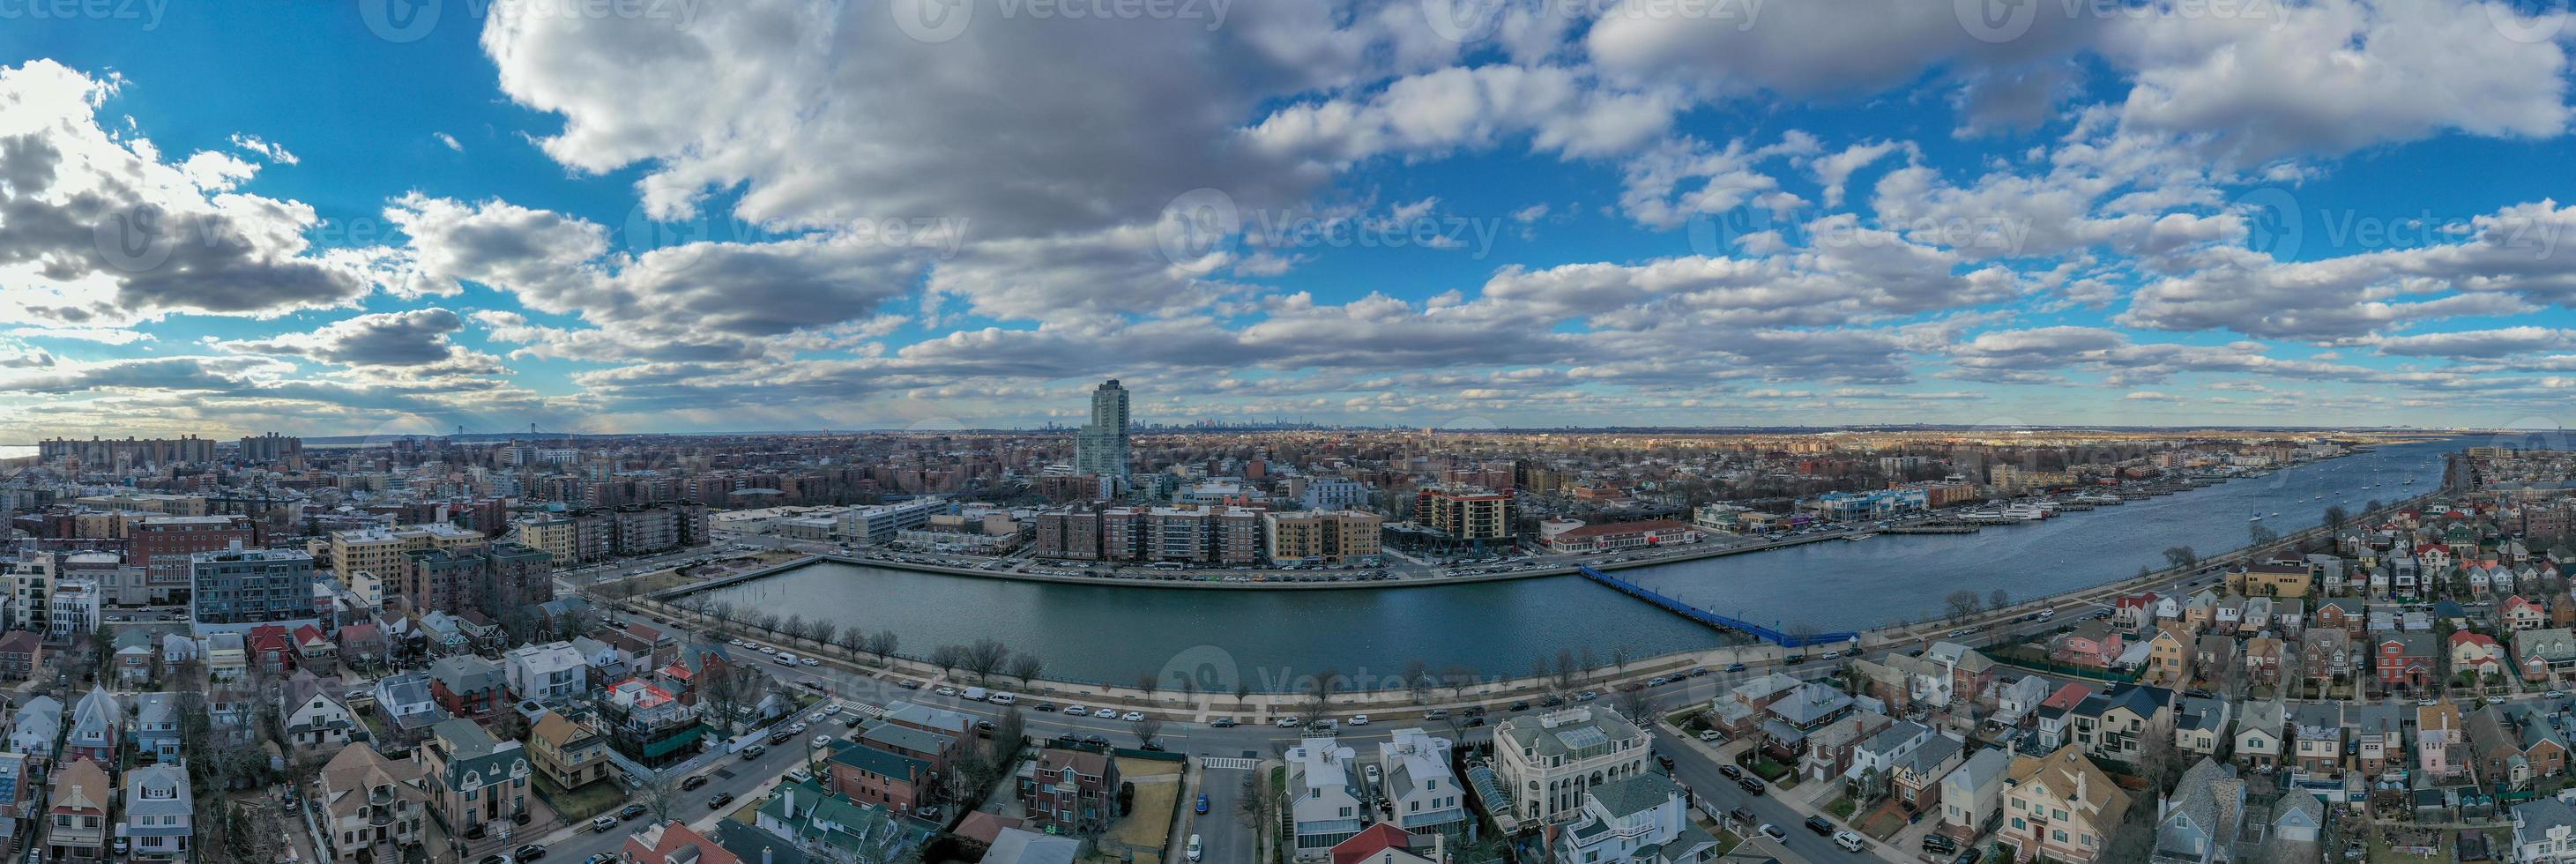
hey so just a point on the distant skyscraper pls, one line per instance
(1101, 447)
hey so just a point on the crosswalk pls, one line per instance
(1237, 764)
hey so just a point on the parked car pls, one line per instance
(631, 811)
(1222, 723)
(1750, 785)
(604, 823)
(1731, 772)
(1710, 736)
(531, 852)
(1202, 805)
(1133, 716)
(1735, 667)
(1822, 826)
(1774, 832)
(1359, 719)
(692, 784)
(1850, 841)
(719, 800)
(753, 752)
(1939, 844)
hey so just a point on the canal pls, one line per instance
(1271, 639)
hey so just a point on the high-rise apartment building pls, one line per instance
(162, 545)
(1465, 514)
(1317, 536)
(1101, 447)
(270, 447)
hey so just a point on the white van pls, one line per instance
(1849, 841)
(975, 694)
(1005, 698)
(784, 659)
(1195, 849)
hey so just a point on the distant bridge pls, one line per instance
(1786, 640)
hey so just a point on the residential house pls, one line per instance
(2320, 730)
(2547, 654)
(674, 843)
(2215, 655)
(1792, 718)
(473, 780)
(2060, 806)
(2377, 735)
(1915, 777)
(568, 752)
(159, 813)
(2474, 652)
(408, 708)
(371, 805)
(22, 653)
(315, 650)
(2544, 831)
(177, 648)
(553, 673)
(1325, 806)
(2168, 659)
(826, 827)
(76, 816)
(467, 686)
(2015, 701)
(2203, 817)
(37, 729)
(1069, 791)
(931, 747)
(2263, 656)
(1547, 760)
(2326, 656)
(2518, 614)
(1635, 819)
(1739, 711)
(1382, 843)
(2441, 737)
(1972, 794)
(2052, 720)
(867, 775)
(1828, 750)
(363, 645)
(97, 726)
(2120, 722)
(2200, 726)
(2092, 644)
(227, 656)
(314, 712)
(1424, 793)
(2403, 660)
(156, 726)
(22, 796)
(2513, 746)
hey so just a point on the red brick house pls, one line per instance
(2403, 660)
(868, 775)
(1068, 789)
(270, 649)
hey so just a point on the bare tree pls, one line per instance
(1026, 667)
(659, 792)
(1962, 604)
(1999, 600)
(1258, 803)
(949, 658)
(2181, 557)
(1147, 730)
(1320, 689)
(822, 631)
(793, 627)
(986, 657)
(1417, 678)
(1149, 682)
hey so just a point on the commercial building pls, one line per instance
(1316, 536)
(1569, 538)
(880, 524)
(234, 590)
(1547, 761)
(1100, 449)
(1865, 506)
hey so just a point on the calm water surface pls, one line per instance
(1271, 638)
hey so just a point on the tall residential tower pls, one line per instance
(1101, 447)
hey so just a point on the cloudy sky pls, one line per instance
(681, 215)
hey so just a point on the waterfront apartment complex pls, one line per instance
(1319, 536)
(590, 535)
(880, 524)
(1185, 533)
(1548, 761)
(1100, 449)
(189, 448)
(1471, 515)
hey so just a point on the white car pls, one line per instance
(1710, 736)
(1132, 716)
(1076, 711)
(809, 661)
(1359, 719)
(945, 690)
(1288, 722)
(768, 650)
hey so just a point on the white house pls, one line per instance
(548, 673)
(1419, 785)
(314, 714)
(1640, 819)
(1972, 792)
(1326, 803)
(2544, 831)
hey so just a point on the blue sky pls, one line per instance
(684, 215)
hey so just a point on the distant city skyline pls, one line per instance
(1566, 215)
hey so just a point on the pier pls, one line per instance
(1785, 640)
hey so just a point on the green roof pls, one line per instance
(880, 762)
